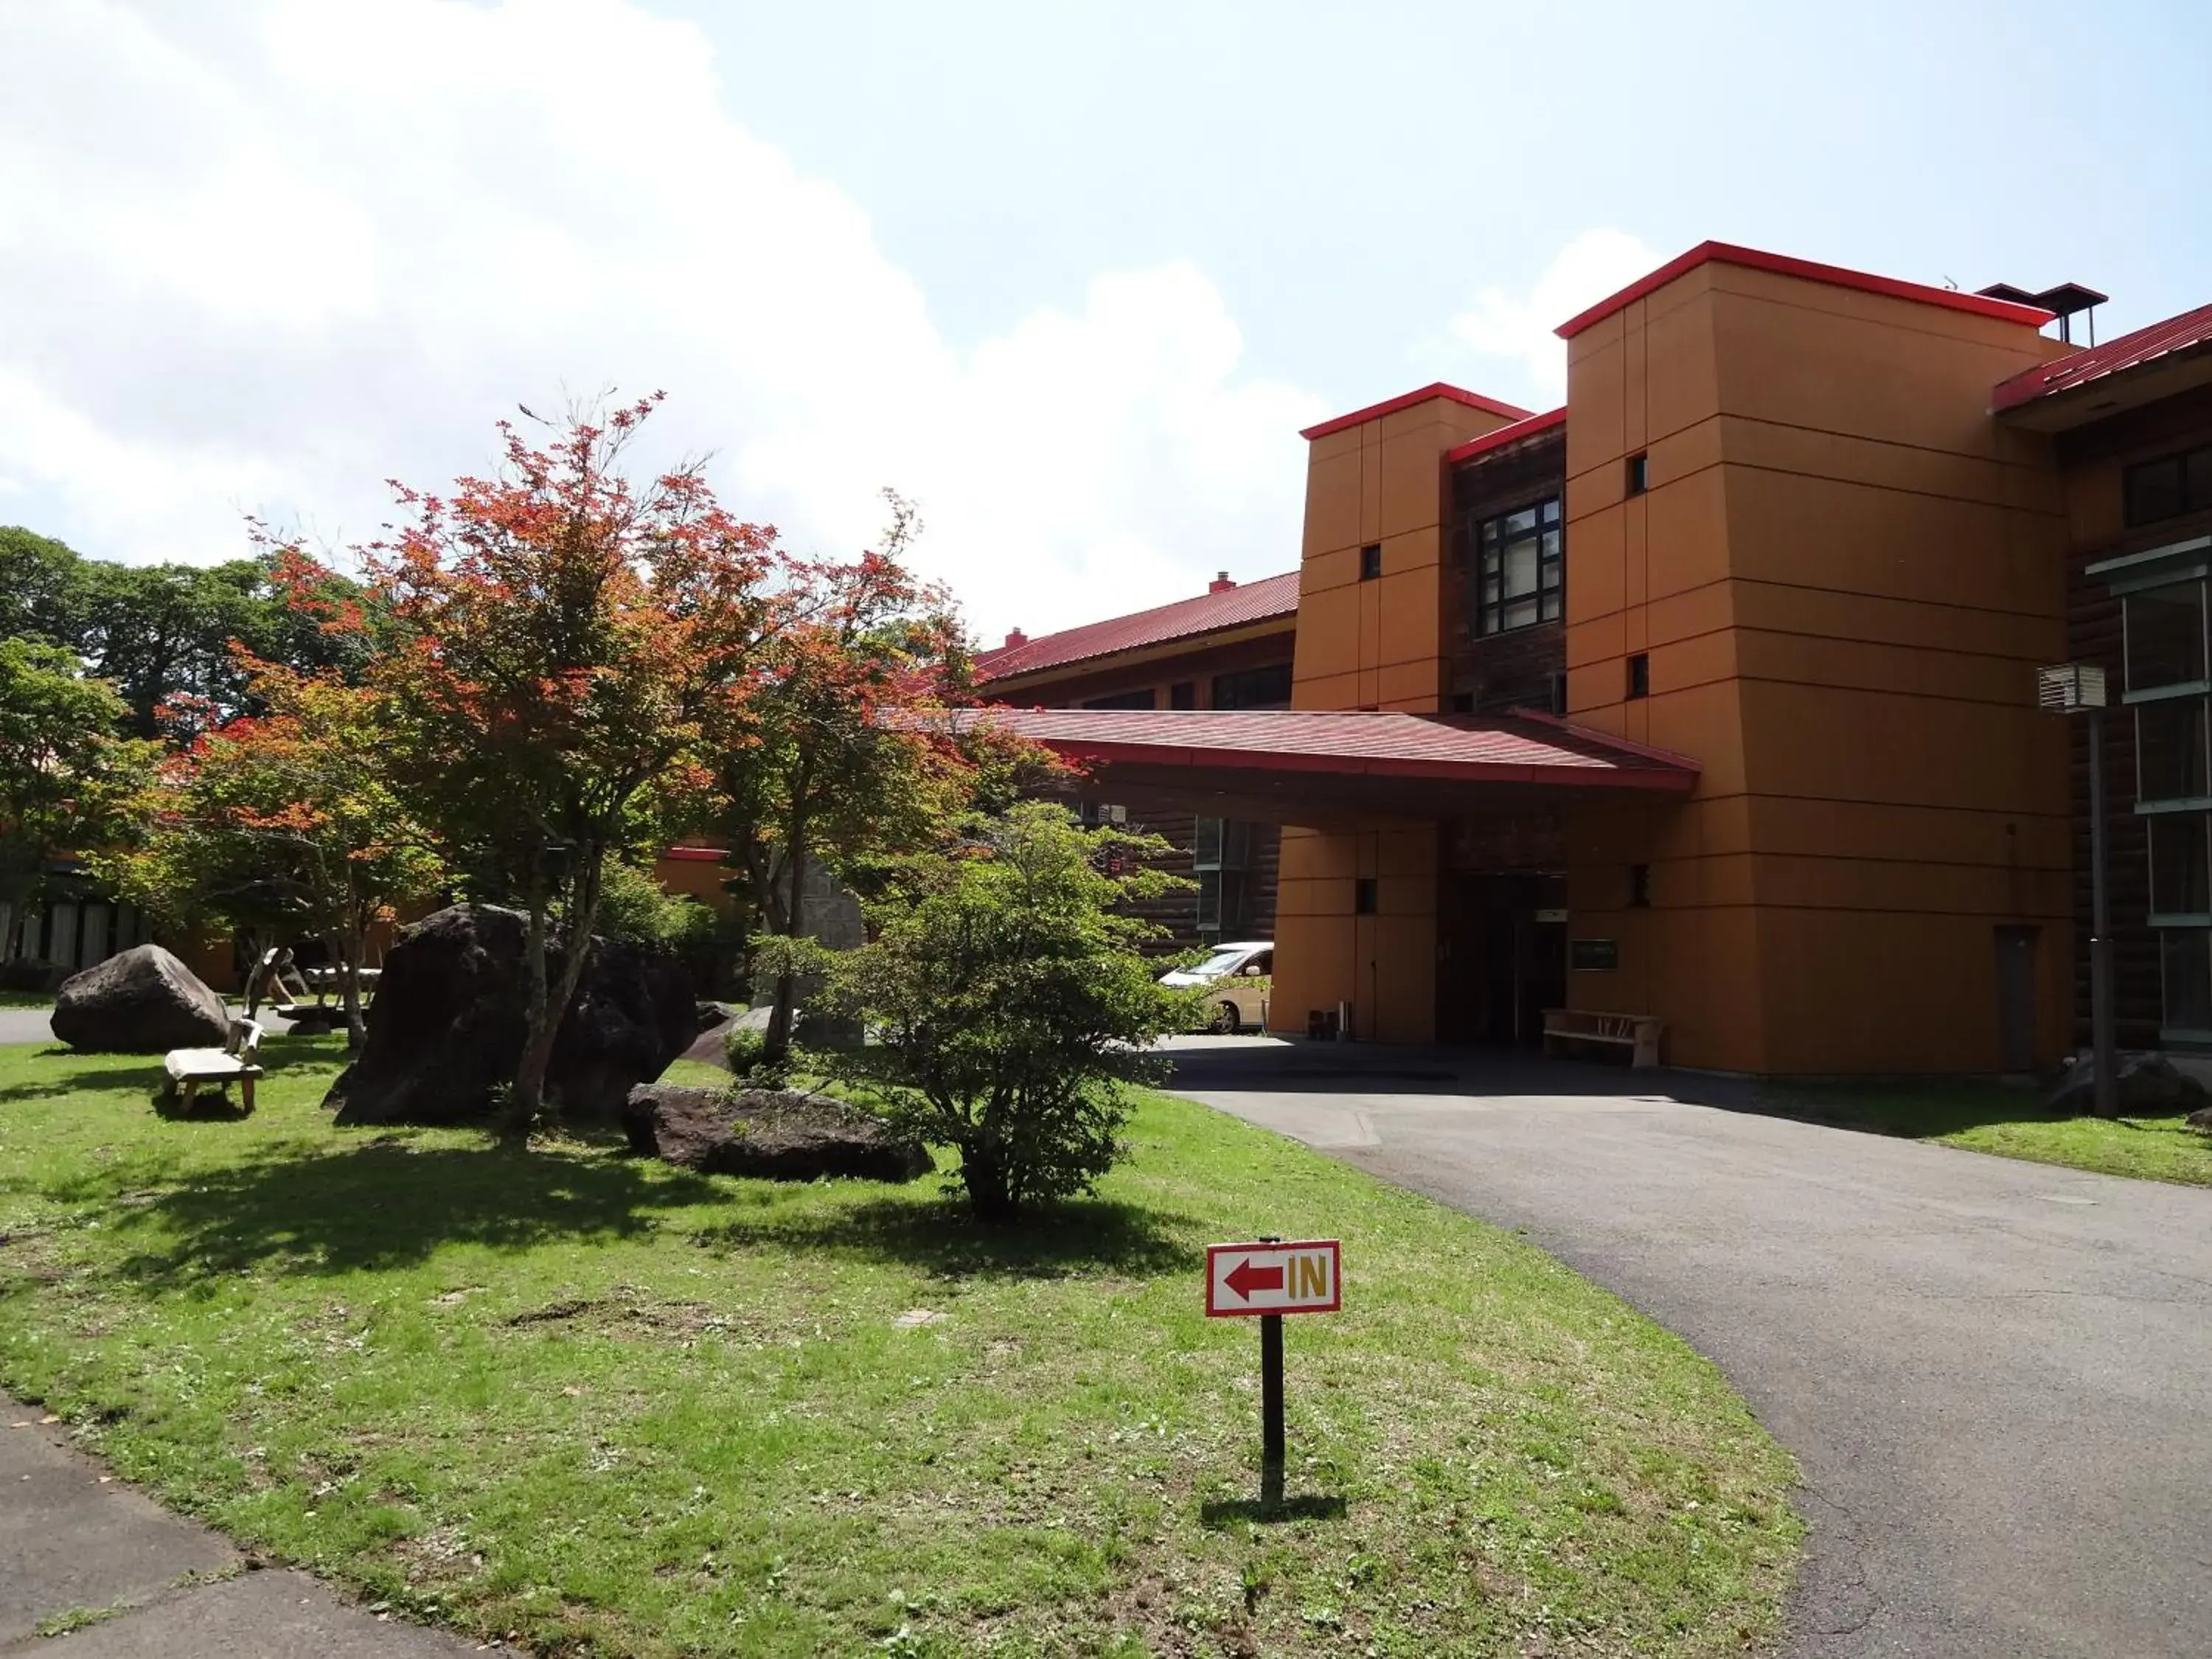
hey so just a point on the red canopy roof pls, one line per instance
(2189, 330)
(1232, 607)
(1301, 766)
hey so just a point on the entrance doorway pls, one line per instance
(1501, 958)
(2016, 999)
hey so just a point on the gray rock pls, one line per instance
(780, 1134)
(447, 1024)
(2200, 1119)
(139, 1001)
(2148, 1085)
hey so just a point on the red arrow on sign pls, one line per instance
(1244, 1279)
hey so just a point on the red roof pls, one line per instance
(1783, 264)
(1232, 607)
(1512, 749)
(1534, 426)
(1407, 400)
(2188, 331)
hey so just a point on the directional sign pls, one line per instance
(1273, 1278)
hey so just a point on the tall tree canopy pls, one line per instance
(570, 652)
(283, 824)
(160, 632)
(825, 776)
(66, 781)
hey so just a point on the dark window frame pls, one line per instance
(1366, 896)
(1639, 675)
(1370, 562)
(1497, 537)
(1639, 472)
(2191, 488)
(1148, 697)
(1265, 687)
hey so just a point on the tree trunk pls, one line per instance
(548, 1003)
(990, 1192)
(529, 1081)
(776, 1040)
(351, 949)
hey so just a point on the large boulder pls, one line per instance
(139, 1001)
(447, 1024)
(2146, 1085)
(783, 1134)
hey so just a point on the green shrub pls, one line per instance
(636, 909)
(1013, 1002)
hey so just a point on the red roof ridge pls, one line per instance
(1407, 400)
(1264, 600)
(1532, 426)
(1811, 271)
(2130, 350)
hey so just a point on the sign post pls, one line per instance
(1270, 1279)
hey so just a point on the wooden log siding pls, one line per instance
(1177, 912)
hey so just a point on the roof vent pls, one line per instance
(1014, 637)
(1220, 584)
(2067, 301)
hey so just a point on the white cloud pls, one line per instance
(1518, 327)
(262, 257)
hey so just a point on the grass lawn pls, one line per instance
(27, 998)
(620, 1408)
(2012, 1122)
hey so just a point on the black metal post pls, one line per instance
(1271, 1454)
(2100, 931)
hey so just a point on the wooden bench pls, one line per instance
(1638, 1033)
(238, 1058)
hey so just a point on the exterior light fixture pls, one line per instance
(2076, 688)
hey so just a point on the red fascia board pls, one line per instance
(1534, 425)
(694, 854)
(1596, 773)
(1440, 389)
(1782, 264)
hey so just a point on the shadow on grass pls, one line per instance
(1219, 1512)
(1079, 1236)
(385, 1205)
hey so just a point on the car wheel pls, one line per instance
(1224, 1019)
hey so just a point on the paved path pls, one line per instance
(1997, 1376)
(73, 1541)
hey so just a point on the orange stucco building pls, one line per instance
(1712, 696)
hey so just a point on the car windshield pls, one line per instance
(1220, 962)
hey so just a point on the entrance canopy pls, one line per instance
(1313, 767)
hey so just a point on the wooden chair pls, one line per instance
(238, 1058)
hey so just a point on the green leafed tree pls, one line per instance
(283, 824)
(40, 584)
(68, 782)
(1012, 1002)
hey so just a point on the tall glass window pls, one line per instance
(1220, 856)
(1519, 567)
(2166, 636)
(2171, 750)
(2166, 682)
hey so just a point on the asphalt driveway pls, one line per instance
(1997, 1376)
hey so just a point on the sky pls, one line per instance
(1071, 276)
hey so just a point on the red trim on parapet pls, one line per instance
(694, 854)
(1783, 264)
(1376, 411)
(1532, 426)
